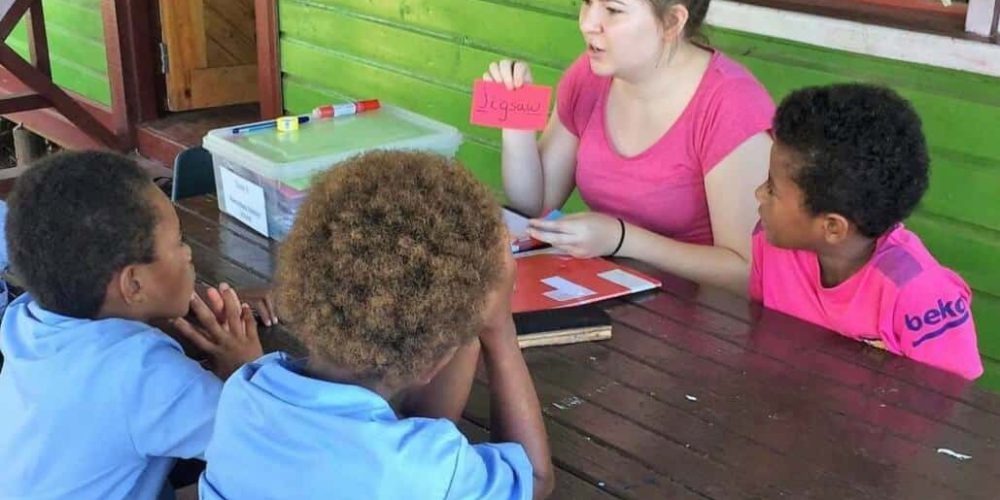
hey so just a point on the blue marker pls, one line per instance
(264, 125)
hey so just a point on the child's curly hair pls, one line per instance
(75, 219)
(864, 153)
(389, 263)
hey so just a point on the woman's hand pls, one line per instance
(582, 235)
(513, 74)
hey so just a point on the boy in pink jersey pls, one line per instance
(849, 163)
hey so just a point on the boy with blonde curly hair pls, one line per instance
(395, 276)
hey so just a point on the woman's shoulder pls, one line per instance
(727, 67)
(726, 80)
(577, 95)
(731, 107)
(579, 78)
(730, 91)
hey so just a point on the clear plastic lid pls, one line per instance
(293, 157)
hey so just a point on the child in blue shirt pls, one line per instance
(396, 274)
(96, 402)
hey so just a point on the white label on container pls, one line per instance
(244, 200)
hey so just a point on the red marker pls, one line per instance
(332, 110)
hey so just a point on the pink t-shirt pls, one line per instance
(902, 300)
(662, 189)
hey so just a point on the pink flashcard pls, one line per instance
(526, 108)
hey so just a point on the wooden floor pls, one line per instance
(161, 140)
(702, 395)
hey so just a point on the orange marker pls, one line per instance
(350, 108)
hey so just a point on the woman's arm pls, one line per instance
(537, 173)
(732, 210)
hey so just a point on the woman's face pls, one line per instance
(622, 36)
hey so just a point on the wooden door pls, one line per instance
(209, 48)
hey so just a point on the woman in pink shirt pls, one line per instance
(664, 138)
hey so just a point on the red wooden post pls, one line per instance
(268, 63)
(22, 102)
(11, 14)
(130, 54)
(38, 44)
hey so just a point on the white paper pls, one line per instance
(627, 280)
(565, 289)
(244, 200)
(516, 224)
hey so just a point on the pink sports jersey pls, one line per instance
(902, 300)
(662, 189)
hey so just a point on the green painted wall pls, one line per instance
(75, 33)
(424, 54)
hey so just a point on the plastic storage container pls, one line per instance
(262, 177)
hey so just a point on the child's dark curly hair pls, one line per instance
(864, 154)
(74, 219)
(389, 263)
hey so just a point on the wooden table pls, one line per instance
(701, 395)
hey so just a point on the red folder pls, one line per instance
(550, 281)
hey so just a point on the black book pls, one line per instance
(562, 326)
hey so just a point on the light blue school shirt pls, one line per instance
(95, 408)
(281, 434)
